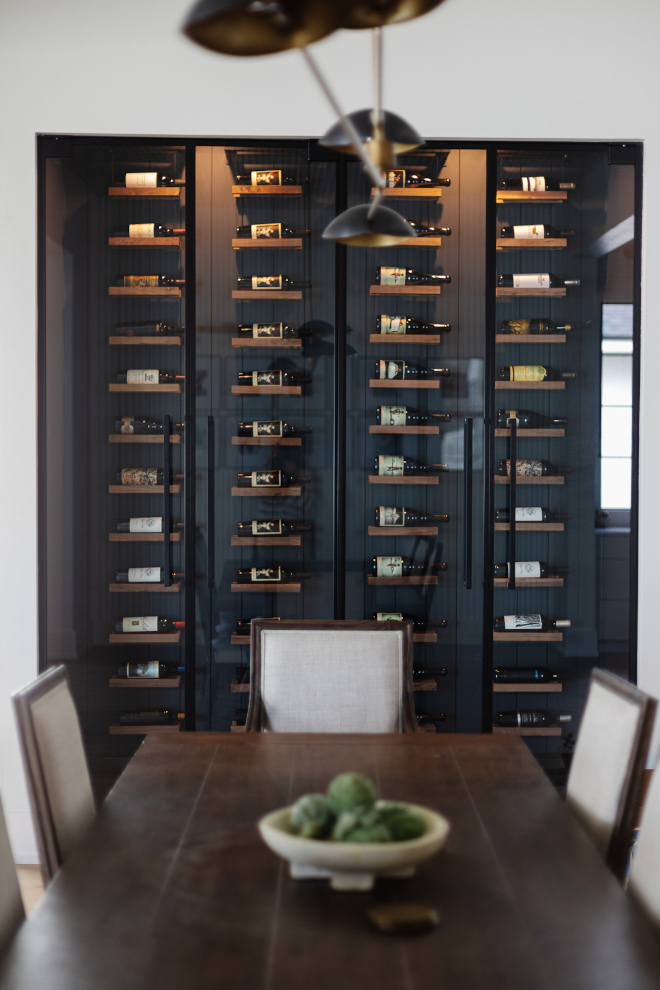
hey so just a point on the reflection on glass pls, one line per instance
(616, 431)
(617, 380)
(615, 482)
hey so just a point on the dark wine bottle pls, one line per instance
(537, 280)
(148, 230)
(151, 716)
(272, 376)
(391, 275)
(264, 177)
(529, 569)
(533, 231)
(534, 183)
(532, 373)
(424, 230)
(426, 673)
(394, 465)
(536, 325)
(408, 325)
(268, 479)
(419, 625)
(150, 180)
(257, 231)
(146, 281)
(400, 177)
(147, 624)
(271, 527)
(148, 669)
(528, 467)
(148, 376)
(148, 330)
(271, 330)
(271, 428)
(531, 514)
(253, 575)
(397, 566)
(269, 282)
(143, 424)
(534, 622)
(389, 370)
(430, 718)
(406, 416)
(243, 626)
(533, 719)
(145, 575)
(523, 675)
(528, 419)
(144, 476)
(144, 524)
(398, 515)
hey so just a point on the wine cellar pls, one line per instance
(240, 418)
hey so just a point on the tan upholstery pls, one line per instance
(331, 677)
(607, 766)
(11, 904)
(58, 777)
(644, 882)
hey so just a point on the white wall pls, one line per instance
(585, 70)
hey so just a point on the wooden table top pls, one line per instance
(173, 888)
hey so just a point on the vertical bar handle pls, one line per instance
(210, 504)
(513, 500)
(467, 503)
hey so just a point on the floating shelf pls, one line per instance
(261, 587)
(413, 192)
(237, 688)
(265, 190)
(145, 242)
(266, 541)
(530, 386)
(548, 479)
(385, 582)
(238, 640)
(142, 537)
(528, 637)
(518, 196)
(547, 527)
(533, 243)
(553, 432)
(507, 292)
(241, 243)
(142, 489)
(141, 438)
(425, 637)
(404, 338)
(145, 341)
(530, 338)
(515, 730)
(266, 294)
(162, 638)
(281, 342)
(420, 242)
(145, 682)
(551, 582)
(403, 530)
(173, 291)
(405, 290)
(124, 387)
(266, 441)
(144, 586)
(428, 431)
(142, 730)
(430, 479)
(146, 192)
(403, 383)
(425, 685)
(266, 390)
(266, 490)
(553, 687)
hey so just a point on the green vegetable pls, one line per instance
(350, 791)
(401, 821)
(368, 828)
(312, 817)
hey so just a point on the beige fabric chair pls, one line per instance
(330, 676)
(56, 767)
(644, 882)
(608, 764)
(11, 904)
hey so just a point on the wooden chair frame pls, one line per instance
(255, 707)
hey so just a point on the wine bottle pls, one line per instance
(534, 719)
(389, 370)
(537, 325)
(148, 230)
(268, 479)
(271, 428)
(264, 177)
(406, 416)
(528, 623)
(257, 231)
(398, 515)
(391, 275)
(273, 330)
(424, 230)
(243, 626)
(425, 673)
(147, 624)
(531, 514)
(534, 183)
(528, 569)
(533, 231)
(271, 527)
(144, 524)
(400, 177)
(151, 180)
(528, 467)
(143, 476)
(532, 373)
(430, 718)
(269, 282)
(523, 675)
(143, 424)
(152, 716)
(153, 329)
(394, 465)
(148, 376)
(397, 566)
(145, 281)
(419, 625)
(537, 280)
(407, 324)
(272, 376)
(145, 575)
(148, 669)
(528, 419)
(253, 575)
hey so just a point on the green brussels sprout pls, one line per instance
(311, 816)
(346, 822)
(403, 823)
(368, 828)
(349, 791)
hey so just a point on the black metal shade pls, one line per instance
(355, 227)
(395, 131)
(378, 13)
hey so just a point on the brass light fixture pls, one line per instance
(364, 226)
(395, 132)
(378, 13)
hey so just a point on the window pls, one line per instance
(616, 406)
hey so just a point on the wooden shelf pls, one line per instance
(282, 342)
(266, 294)
(145, 341)
(425, 685)
(548, 479)
(527, 243)
(542, 527)
(412, 192)
(550, 582)
(238, 640)
(515, 730)
(425, 637)
(124, 387)
(266, 541)
(144, 586)
(266, 441)
(173, 291)
(237, 688)
(403, 530)
(234, 727)
(506, 292)
(551, 432)
(241, 243)
(142, 730)
(266, 490)
(429, 479)
(518, 196)
(142, 489)
(405, 290)
(386, 582)
(144, 638)
(530, 386)
(511, 687)
(261, 587)
(404, 338)
(266, 390)
(528, 637)
(265, 190)
(142, 537)
(403, 383)
(141, 438)
(428, 431)
(530, 338)
(145, 682)
(146, 192)
(145, 242)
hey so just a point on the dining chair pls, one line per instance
(58, 778)
(608, 764)
(644, 884)
(11, 902)
(330, 676)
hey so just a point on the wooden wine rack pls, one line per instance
(145, 682)
(549, 582)
(144, 586)
(508, 292)
(545, 432)
(276, 342)
(144, 341)
(266, 390)
(265, 190)
(530, 243)
(547, 479)
(405, 290)
(266, 294)
(403, 530)
(530, 338)
(429, 431)
(404, 338)
(519, 730)
(430, 479)
(173, 291)
(146, 638)
(403, 383)
(413, 192)
(245, 243)
(266, 441)
(542, 527)
(261, 587)
(512, 687)
(142, 537)
(142, 489)
(141, 438)
(390, 582)
(171, 387)
(530, 386)
(146, 192)
(528, 637)
(266, 541)
(145, 242)
(518, 196)
(266, 490)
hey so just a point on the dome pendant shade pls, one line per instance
(260, 27)
(354, 227)
(395, 131)
(378, 13)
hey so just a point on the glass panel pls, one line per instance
(616, 434)
(615, 482)
(617, 380)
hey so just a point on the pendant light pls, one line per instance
(367, 225)
(379, 13)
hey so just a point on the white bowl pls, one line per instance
(351, 865)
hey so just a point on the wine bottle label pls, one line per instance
(144, 574)
(145, 524)
(140, 623)
(266, 377)
(149, 179)
(528, 373)
(393, 415)
(526, 569)
(126, 425)
(396, 177)
(266, 527)
(527, 622)
(539, 281)
(392, 324)
(389, 616)
(392, 276)
(265, 574)
(530, 231)
(141, 280)
(139, 476)
(266, 281)
(142, 230)
(267, 329)
(526, 468)
(389, 566)
(529, 513)
(516, 326)
(390, 465)
(266, 177)
(391, 515)
(142, 376)
(391, 369)
(266, 479)
(258, 230)
(533, 183)
(267, 428)
(147, 668)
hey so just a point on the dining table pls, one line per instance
(173, 887)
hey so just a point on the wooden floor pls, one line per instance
(31, 884)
